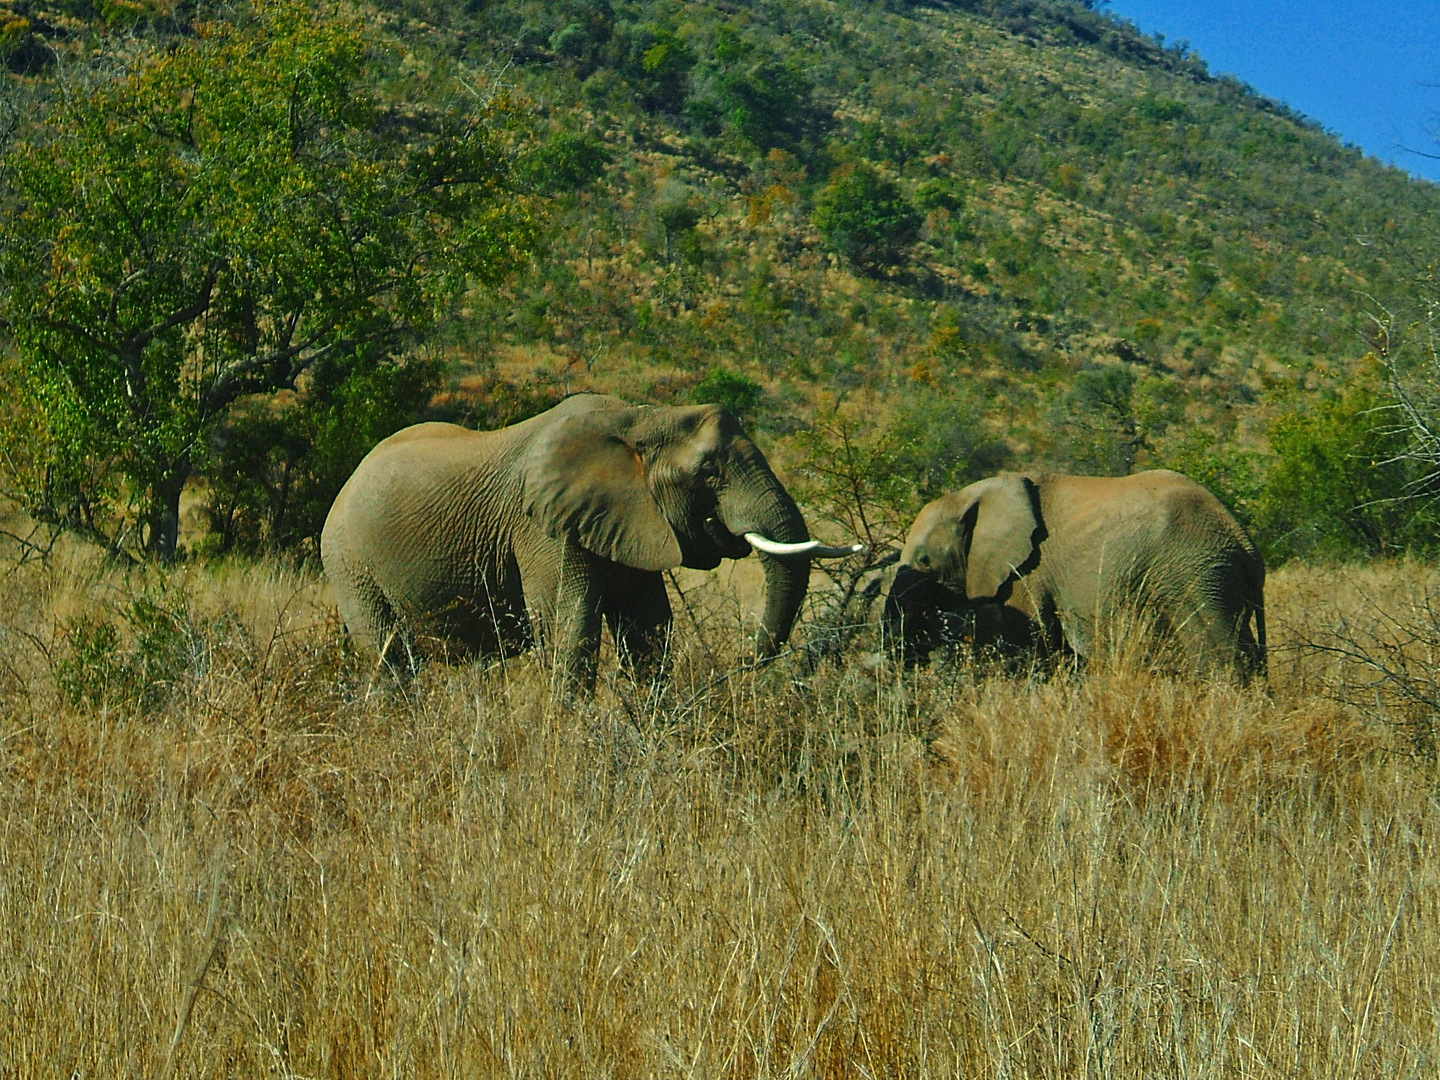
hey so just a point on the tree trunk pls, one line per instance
(165, 511)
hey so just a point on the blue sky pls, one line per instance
(1358, 67)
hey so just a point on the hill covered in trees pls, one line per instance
(912, 243)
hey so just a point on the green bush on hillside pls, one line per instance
(1336, 484)
(1339, 485)
(567, 161)
(731, 389)
(865, 217)
(758, 98)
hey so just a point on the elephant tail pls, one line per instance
(1252, 629)
(1261, 660)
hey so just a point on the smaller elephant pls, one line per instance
(459, 542)
(1043, 561)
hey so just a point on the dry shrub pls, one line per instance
(1369, 637)
(746, 873)
(1169, 734)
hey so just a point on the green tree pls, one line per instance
(214, 222)
(764, 100)
(1113, 414)
(865, 217)
(656, 61)
(870, 473)
(1340, 483)
(275, 466)
(734, 390)
(565, 162)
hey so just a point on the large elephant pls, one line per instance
(456, 542)
(1042, 560)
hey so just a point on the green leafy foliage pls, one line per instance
(136, 655)
(1113, 414)
(679, 210)
(759, 98)
(943, 441)
(276, 466)
(940, 193)
(214, 221)
(566, 161)
(92, 666)
(869, 473)
(732, 390)
(865, 217)
(22, 50)
(1340, 483)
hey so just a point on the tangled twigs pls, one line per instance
(197, 979)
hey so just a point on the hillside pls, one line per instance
(1090, 201)
(942, 238)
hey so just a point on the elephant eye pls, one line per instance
(709, 469)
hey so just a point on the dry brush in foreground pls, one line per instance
(219, 834)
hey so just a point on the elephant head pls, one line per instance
(654, 487)
(964, 550)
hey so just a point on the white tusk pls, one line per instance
(813, 548)
(838, 552)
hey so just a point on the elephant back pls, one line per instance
(1156, 513)
(408, 478)
(1154, 542)
(410, 518)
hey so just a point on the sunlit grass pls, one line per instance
(746, 873)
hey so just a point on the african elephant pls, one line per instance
(457, 542)
(1041, 560)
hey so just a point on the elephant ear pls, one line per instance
(584, 483)
(1002, 538)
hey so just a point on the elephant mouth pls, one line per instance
(720, 542)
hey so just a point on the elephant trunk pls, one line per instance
(786, 580)
(756, 502)
(906, 621)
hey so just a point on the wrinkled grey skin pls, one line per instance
(453, 542)
(1040, 560)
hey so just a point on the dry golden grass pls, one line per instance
(848, 873)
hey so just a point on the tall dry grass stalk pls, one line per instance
(849, 873)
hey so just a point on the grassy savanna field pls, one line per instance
(212, 813)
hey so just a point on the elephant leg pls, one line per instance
(1028, 623)
(398, 652)
(1235, 635)
(1207, 628)
(569, 614)
(1252, 642)
(637, 610)
(365, 607)
(1206, 639)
